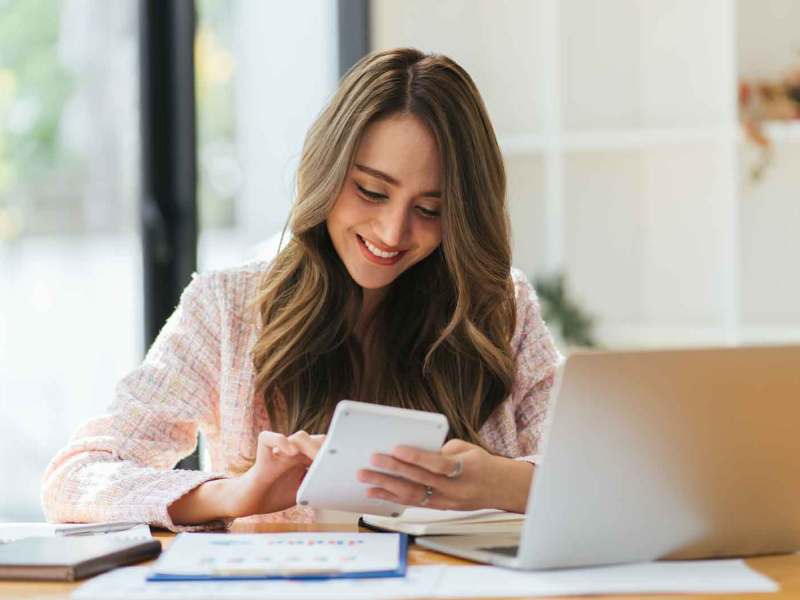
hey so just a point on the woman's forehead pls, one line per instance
(404, 149)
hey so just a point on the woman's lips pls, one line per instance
(378, 260)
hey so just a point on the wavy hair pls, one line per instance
(440, 339)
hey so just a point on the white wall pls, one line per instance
(626, 167)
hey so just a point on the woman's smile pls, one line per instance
(373, 253)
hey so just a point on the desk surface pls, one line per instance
(784, 569)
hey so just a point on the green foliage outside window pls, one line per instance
(33, 89)
(218, 166)
(561, 312)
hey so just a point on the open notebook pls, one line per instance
(426, 521)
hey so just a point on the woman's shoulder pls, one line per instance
(530, 326)
(238, 274)
(233, 289)
(524, 292)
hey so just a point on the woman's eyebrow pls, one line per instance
(391, 180)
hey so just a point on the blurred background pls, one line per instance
(652, 150)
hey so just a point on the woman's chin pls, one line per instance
(373, 281)
(373, 284)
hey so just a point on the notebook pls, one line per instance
(427, 521)
(298, 555)
(72, 557)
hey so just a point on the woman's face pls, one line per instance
(387, 216)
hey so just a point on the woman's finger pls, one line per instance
(406, 470)
(408, 491)
(305, 443)
(277, 441)
(436, 501)
(431, 461)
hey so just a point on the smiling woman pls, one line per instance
(395, 288)
(397, 225)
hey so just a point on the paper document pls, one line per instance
(267, 555)
(10, 532)
(131, 583)
(702, 576)
(437, 581)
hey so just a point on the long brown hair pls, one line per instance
(442, 333)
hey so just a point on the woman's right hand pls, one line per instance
(269, 485)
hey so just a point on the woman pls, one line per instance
(396, 288)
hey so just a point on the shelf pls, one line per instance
(620, 336)
(627, 168)
(593, 141)
(614, 140)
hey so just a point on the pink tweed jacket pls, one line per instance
(199, 375)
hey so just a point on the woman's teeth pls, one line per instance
(377, 252)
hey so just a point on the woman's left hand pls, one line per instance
(462, 476)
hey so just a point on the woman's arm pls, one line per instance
(204, 503)
(268, 486)
(119, 466)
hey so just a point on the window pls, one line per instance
(263, 73)
(70, 274)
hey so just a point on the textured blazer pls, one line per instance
(198, 375)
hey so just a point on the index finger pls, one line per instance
(277, 441)
(307, 444)
(431, 461)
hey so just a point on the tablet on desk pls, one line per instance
(358, 430)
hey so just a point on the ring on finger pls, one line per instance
(458, 469)
(427, 497)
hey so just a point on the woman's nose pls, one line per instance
(393, 226)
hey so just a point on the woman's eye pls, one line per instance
(371, 195)
(428, 213)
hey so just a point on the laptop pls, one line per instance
(665, 454)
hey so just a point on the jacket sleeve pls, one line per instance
(517, 428)
(119, 466)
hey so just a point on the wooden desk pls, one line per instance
(785, 570)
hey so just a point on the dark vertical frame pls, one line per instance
(169, 211)
(353, 22)
(169, 174)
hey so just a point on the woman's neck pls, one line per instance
(370, 300)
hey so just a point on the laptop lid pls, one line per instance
(669, 454)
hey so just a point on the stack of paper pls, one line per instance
(436, 581)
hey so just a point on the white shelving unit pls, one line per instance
(627, 170)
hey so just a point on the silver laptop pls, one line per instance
(674, 454)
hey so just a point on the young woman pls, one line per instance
(396, 288)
